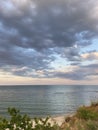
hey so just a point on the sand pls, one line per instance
(59, 120)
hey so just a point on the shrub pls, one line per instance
(24, 122)
(92, 125)
(87, 114)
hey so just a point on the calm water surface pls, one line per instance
(46, 100)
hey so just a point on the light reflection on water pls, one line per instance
(46, 100)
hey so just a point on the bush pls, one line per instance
(92, 125)
(24, 122)
(87, 114)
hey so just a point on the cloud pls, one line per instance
(80, 73)
(54, 23)
(24, 57)
(32, 32)
(92, 55)
(10, 8)
(72, 54)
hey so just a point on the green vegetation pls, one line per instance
(86, 118)
(87, 114)
(24, 122)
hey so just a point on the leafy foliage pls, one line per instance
(24, 122)
(86, 114)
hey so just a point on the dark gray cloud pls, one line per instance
(24, 57)
(33, 31)
(54, 23)
(72, 54)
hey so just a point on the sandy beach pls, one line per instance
(59, 120)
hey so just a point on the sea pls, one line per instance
(46, 100)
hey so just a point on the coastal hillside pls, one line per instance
(86, 118)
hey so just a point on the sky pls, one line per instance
(48, 42)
